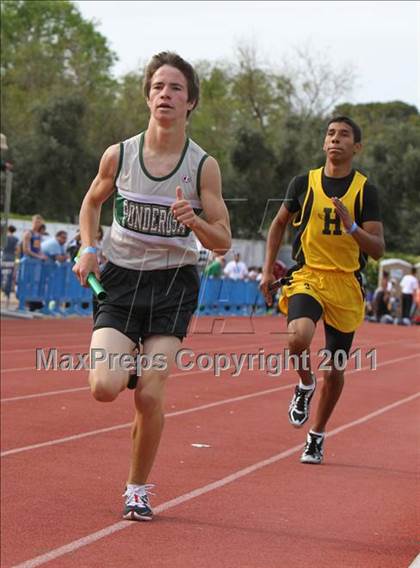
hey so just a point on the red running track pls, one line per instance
(245, 501)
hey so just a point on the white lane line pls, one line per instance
(180, 412)
(21, 337)
(64, 391)
(361, 344)
(88, 331)
(42, 394)
(416, 562)
(129, 424)
(59, 347)
(93, 537)
(64, 347)
(191, 347)
(14, 369)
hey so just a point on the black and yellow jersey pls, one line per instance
(321, 241)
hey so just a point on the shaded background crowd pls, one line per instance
(394, 300)
(37, 243)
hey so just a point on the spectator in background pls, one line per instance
(54, 248)
(31, 242)
(74, 246)
(416, 316)
(382, 297)
(10, 249)
(252, 273)
(215, 268)
(31, 248)
(409, 286)
(369, 306)
(394, 300)
(236, 269)
(44, 233)
(9, 255)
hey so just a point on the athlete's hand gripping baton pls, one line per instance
(274, 286)
(94, 284)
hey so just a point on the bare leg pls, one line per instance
(301, 332)
(149, 418)
(330, 394)
(107, 379)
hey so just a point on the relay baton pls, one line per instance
(94, 284)
(274, 286)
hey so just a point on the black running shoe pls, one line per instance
(137, 507)
(313, 451)
(299, 405)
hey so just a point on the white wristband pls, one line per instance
(87, 250)
(352, 228)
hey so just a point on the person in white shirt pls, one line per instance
(236, 269)
(54, 248)
(252, 273)
(409, 285)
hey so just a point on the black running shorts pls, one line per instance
(141, 304)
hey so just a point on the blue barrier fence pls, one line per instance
(230, 297)
(54, 285)
(57, 288)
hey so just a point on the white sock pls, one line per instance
(135, 487)
(307, 387)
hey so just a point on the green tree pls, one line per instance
(391, 159)
(55, 164)
(50, 53)
(61, 108)
(251, 190)
(373, 115)
(211, 122)
(48, 50)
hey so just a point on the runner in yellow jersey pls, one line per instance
(335, 210)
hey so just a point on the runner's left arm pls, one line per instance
(213, 231)
(369, 237)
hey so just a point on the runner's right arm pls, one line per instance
(100, 190)
(274, 239)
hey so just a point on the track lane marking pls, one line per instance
(181, 412)
(129, 424)
(107, 531)
(49, 393)
(192, 347)
(362, 344)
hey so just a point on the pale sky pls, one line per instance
(380, 40)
